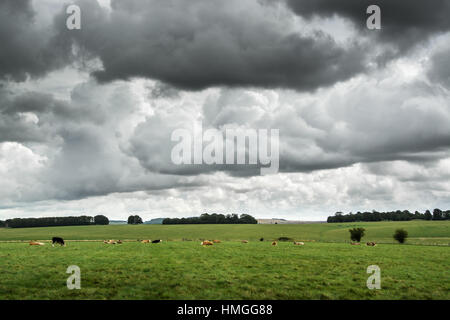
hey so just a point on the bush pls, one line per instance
(356, 234)
(400, 235)
(285, 239)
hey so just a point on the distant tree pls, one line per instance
(437, 214)
(356, 234)
(428, 215)
(2, 224)
(247, 219)
(101, 219)
(400, 235)
(135, 220)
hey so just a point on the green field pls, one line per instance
(420, 232)
(328, 268)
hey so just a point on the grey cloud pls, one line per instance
(405, 23)
(26, 49)
(209, 43)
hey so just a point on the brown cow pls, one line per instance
(35, 243)
(145, 241)
(216, 241)
(206, 243)
(371, 244)
(274, 243)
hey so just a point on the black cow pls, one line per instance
(157, 241)
(58, 240)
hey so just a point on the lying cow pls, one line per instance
(58, 240)
(110, 241)
(206, 243)
(35, 243)
(157, 241)
(216, 241)
(145, 241)
(274, 243)
(371, 244)
(299, 243)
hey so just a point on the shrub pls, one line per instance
(356, 234)
(400, 235)
(284, 239)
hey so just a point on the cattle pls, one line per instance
(355, 243)
(371, 244)
(110, 241)
(157, 241)
(58, 240)
(206, 243)
(262, 239)
(119, 241)
(244, 241)
(216, 241)
(35, 243)
(299, 243)
(145, 241)
(274, 243)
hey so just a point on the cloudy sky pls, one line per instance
(86, 115)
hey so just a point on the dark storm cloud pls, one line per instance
(25, 49)
(405, 23)
(199, 44)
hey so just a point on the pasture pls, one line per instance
(176, 269)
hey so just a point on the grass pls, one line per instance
(229, 270)
(328, 268)
(420, 232)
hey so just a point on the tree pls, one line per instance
(135, 220)
(437, 214)
(356, 234)
(428, 215)
(400, 235)
(101, 219)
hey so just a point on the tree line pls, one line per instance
(54, 221)
(213, 219)
(389, 216)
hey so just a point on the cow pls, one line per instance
(371, 244)
(355, 243)
(299, 243)
(58, 240)
(145, 241)
(216, 241)
(244, 241)
(157, 241)
(110, 242)
(274, 243)
(35, 243)
(206, 243)
(262, 239)
(119, 242)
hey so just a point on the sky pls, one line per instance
(86, 116)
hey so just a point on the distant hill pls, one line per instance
(155, 221)
(284, 221)
(117, 222)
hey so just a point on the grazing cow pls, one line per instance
(34, 243)
(244, 241)
(371, 244)
(299, 243)
(58, 240)
(274, 243)
(157, 241)
(355, 243)
(216, 241)
(145, 241)
(206, 243)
